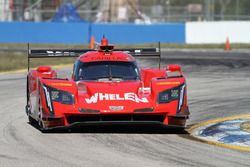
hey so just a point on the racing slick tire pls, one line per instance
(40, 122)
(32, 121)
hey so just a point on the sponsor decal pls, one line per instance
(115, 97)
(106, 58)
(58, 53)
(116, 108)
(168, 83)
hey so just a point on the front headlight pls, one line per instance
(61, 96)
(56, 95)
(176, 93)
(169, 95)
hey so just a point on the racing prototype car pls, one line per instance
(106, 87)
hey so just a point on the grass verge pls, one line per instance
(10, 61)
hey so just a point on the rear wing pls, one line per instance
(142, 52)
(54, 53)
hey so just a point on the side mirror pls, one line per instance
(174, 70)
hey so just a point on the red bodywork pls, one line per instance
(135, 101)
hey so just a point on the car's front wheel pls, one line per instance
(40, 116)
(32, 121)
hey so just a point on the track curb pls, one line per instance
(205, 123)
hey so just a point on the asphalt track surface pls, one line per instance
(218, 86)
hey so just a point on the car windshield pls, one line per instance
(106, 71)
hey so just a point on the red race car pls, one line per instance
(106, 87)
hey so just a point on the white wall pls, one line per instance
(5, 14)
(2, 7)
(217, 32)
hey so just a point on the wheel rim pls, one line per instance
(40, 116)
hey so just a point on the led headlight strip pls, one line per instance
(48, 98)
(181, 99)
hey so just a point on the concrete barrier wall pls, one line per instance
(24, 32)
(217, 32)
(131, 33)
(79, 33)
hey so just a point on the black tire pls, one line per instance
(27, 110)
(40, 122)
(180, 130)
(32, 121)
